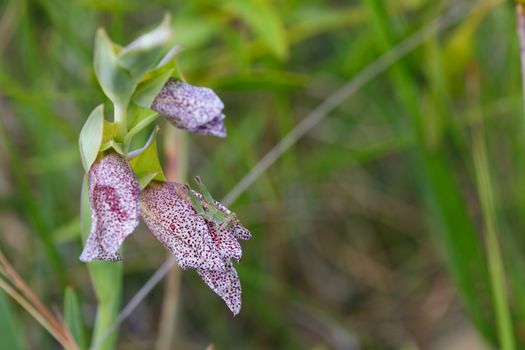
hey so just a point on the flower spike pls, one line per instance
(142, 81)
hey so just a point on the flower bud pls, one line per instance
(192, 108)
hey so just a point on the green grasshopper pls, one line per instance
(208, 208)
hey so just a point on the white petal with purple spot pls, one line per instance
(113, 199)
(178, 227)
(225, 284)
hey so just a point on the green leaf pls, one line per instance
(12, 336)
(152, 39)
(115, 81)
(73, 317)
(168, 61)
(145, 179)
(147, 163)
(146, 51)
(67, 232)
(264, 21)
(460, 47)
(117, 146)
(142, 123)
(149, 89)
(110, 131)
(91, 137)
(137, 63)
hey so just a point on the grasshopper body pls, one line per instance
(208, 209)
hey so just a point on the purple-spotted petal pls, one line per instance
(226, 243)
(226, 284)
(196, 243)
(240, 232)
(113, 199)
(192, 108)
(225, 239)
(214, 127)
(172, 219)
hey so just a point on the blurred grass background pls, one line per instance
(369, 233)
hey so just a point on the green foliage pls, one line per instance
(73, 317)
(12, 336)
(114, 78)
(370, 230)
(150, 88)
(146, 165)
(91, 137)
(264, 20)
(145, 52)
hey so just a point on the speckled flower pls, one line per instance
(116, 203)
(192, 108)
(113, 198)
(195, 242)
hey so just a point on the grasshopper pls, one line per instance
(208, 208)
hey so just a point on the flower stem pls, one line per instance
(106, 278)
(120, 117)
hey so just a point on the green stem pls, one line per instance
(496, 271)
(120, 117)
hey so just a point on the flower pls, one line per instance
(113, 198)
(195, 242)
(116, 201)
(192, 108)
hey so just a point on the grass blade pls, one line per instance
(497, 274)
(463, 252)
(12, 333)
(73, 317)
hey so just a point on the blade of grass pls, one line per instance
(10, 273)
(338, 97)
(73, 317)
(12, 338)
(462, 250)
(30, 206)
(15, 286)
(497, 273)
(520, 20)
(33, 312)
